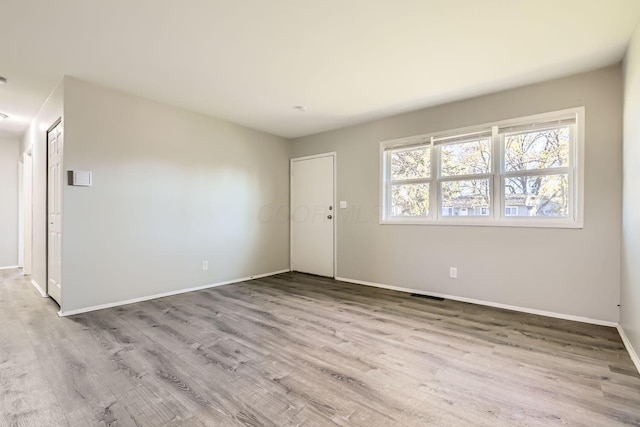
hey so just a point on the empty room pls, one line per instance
(296, 213)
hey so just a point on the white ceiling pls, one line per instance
(347, 61)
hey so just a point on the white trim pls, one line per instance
(335, 214)
(579, 145)
(486, 221)
(166, 294)
(402, 141)
(27, 211)
(39, 289)
(313, 156)
(632, 352)
(487, 303)
(20, 211)
(334, 156)
(9, 267)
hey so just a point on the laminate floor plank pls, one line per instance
(159, 380)
(300, 350)
(25, 394)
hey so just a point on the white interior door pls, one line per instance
(54, 212)
(313, 215)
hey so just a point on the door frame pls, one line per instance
(27, 211)
(46, 201)
(21, 212)
(334, 157)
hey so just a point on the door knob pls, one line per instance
(329, 216)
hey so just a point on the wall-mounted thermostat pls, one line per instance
(79, 178)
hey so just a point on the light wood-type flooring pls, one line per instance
(298, 350)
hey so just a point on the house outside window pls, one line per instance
(511, 211)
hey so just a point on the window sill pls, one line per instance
(467, 222)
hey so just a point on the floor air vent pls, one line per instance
(427, 297)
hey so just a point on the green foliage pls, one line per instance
(410, 199)
(411, 164)
(537, 150)
(467, 158)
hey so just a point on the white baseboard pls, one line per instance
(487, 303)
(9, 267)
(38, 288)
(629, 347)
(165, 294)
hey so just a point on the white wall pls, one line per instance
(630, 288)
(8, 203)
(171, 188)
(36, 138)
(568, 271)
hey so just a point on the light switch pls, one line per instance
(343, 204)
(80, 178)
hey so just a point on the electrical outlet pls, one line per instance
(205, 265)
(453, 272)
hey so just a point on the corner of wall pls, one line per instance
(630, 242)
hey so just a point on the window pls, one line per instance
(537, 170)
(465, 174)
(410, 178)
(511, 211)
(521, 172)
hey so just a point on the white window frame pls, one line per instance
(497, 175)
(391, 182)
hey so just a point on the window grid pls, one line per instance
(497, 176)
(568, 170)
(440, 180)
(409, 181)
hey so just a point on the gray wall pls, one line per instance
(36, 138)
(630, 288)
(171, 188)
(8, 203)
(568, 271)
